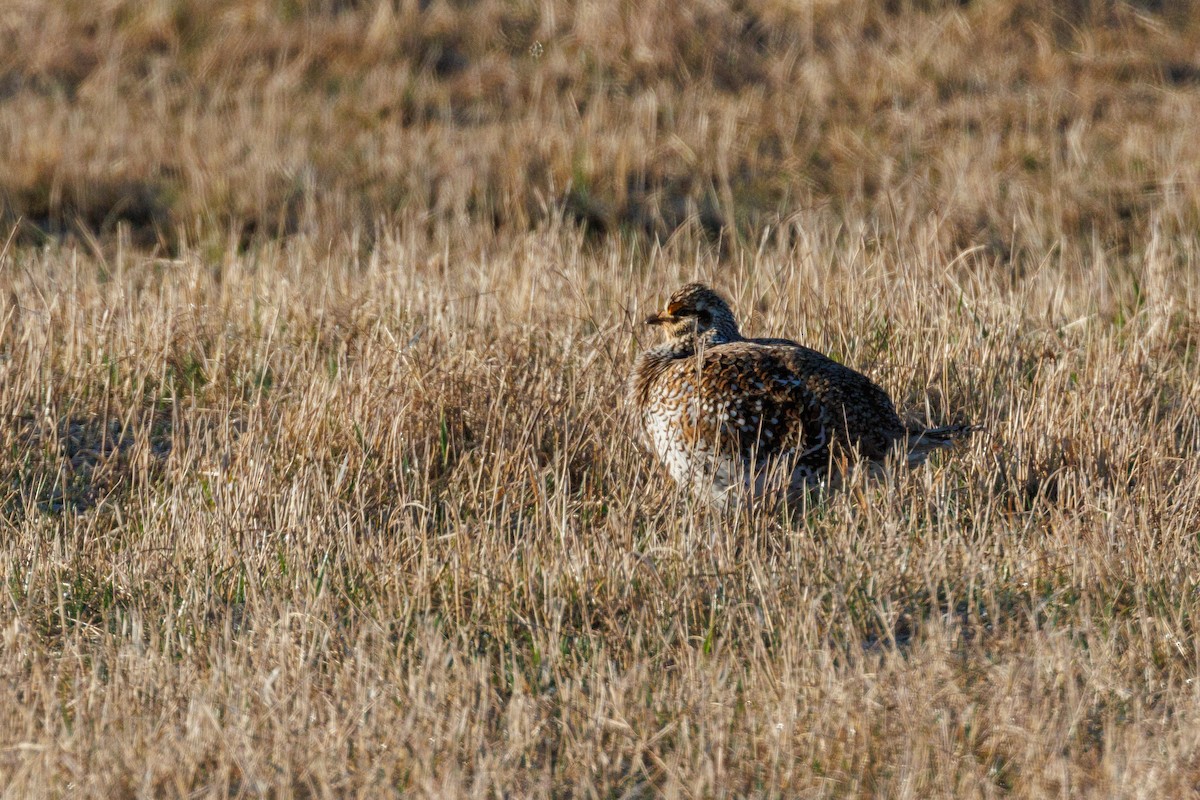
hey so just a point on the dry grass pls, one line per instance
(315, 480)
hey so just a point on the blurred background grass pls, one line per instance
(1014, 125)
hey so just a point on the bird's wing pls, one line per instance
(749, 401)
(857, 412)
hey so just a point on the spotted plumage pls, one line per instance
(729, 415)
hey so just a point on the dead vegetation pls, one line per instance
(315, 480)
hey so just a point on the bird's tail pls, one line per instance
(923, 441)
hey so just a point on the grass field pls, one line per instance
(314, 322)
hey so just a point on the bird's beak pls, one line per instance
(659, 319)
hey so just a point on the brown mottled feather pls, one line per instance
(721, 410)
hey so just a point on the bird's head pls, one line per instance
(693, 310)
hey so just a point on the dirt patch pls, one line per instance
(76, 463)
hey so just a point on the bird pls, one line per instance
(736, 419)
